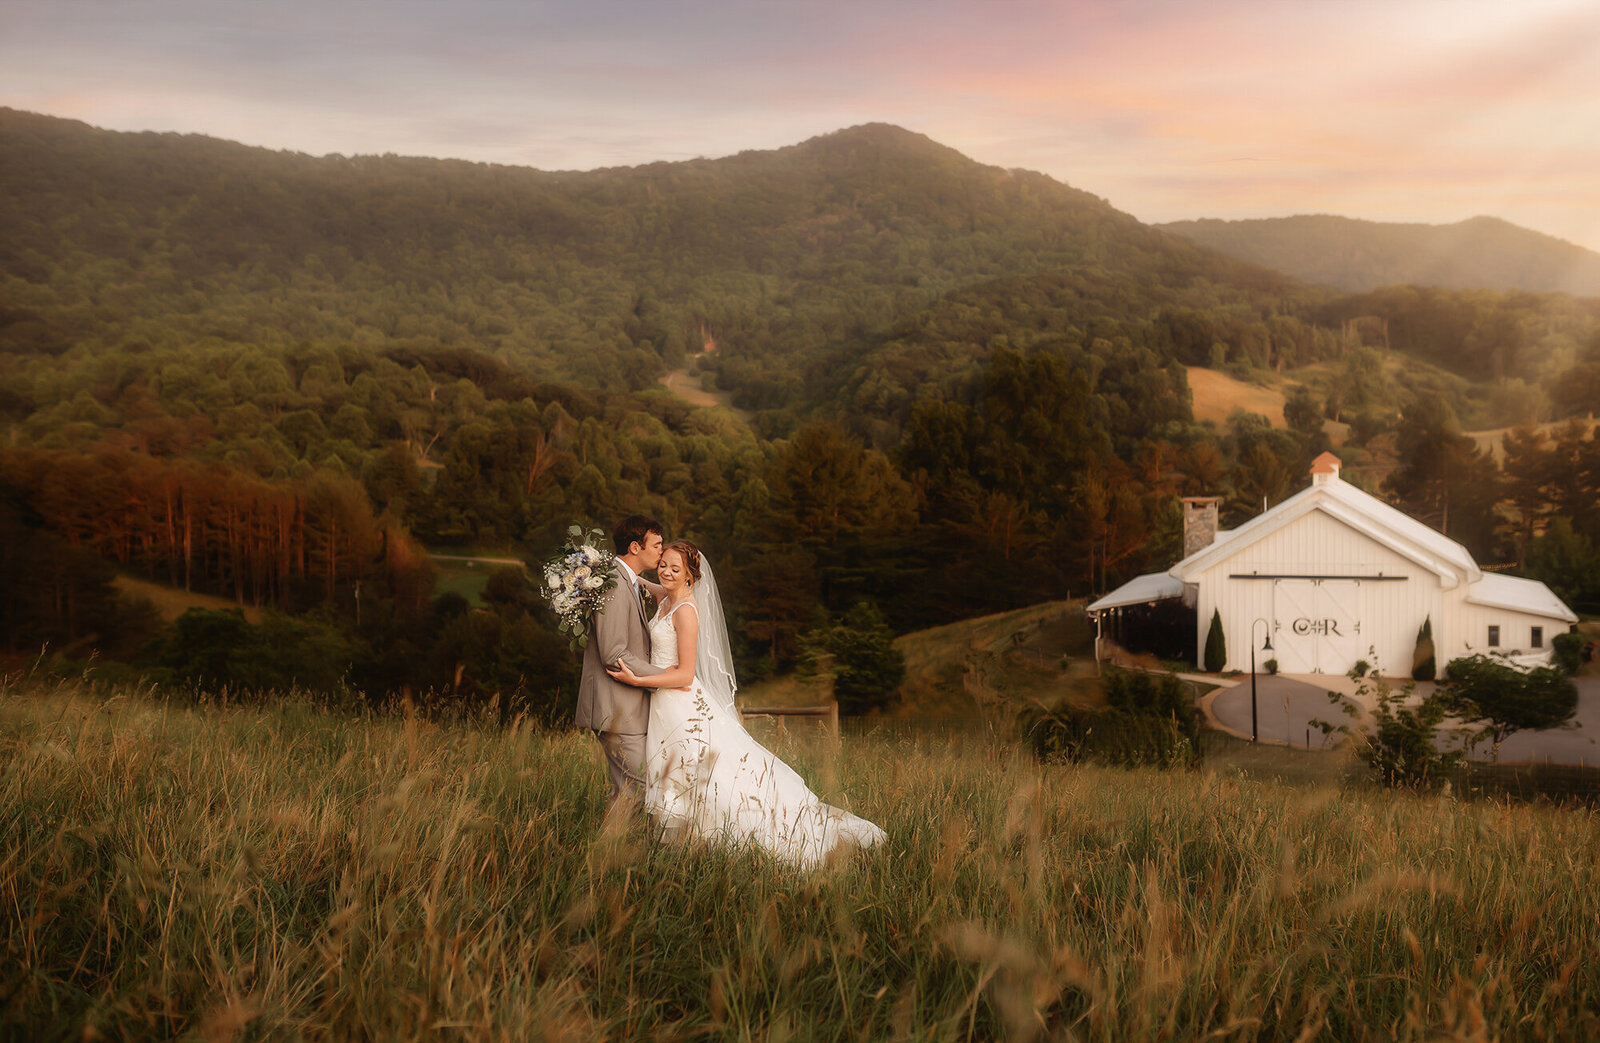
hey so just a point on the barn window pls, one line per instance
(1537, 640)
(1494, 637)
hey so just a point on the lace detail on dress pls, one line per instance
(664, 637)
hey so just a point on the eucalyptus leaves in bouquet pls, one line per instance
(576, 582)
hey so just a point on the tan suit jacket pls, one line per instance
(618, 631)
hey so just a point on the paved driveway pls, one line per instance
(1285, 706)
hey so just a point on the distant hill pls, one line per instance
(1481, 253)
(605, 277)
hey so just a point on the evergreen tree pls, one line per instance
(1216, 656)
(867, 668)
(1568, 563)
(1443, 478)
(1422, 660)
(1302, 411)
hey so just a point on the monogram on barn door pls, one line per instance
(1316, 624)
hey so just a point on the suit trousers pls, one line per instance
(625, 764)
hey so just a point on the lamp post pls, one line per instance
(1266, 646)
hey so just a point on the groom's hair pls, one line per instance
(633, 529)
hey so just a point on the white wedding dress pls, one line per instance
(706, 776)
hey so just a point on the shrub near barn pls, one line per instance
(1489, 691)
(1149, 719)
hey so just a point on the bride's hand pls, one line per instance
(621, 672)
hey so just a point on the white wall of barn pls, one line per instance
(1319, 626)
(1469, 631)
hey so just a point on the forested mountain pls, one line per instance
(142, 239)
(794, 262)
(277, 378)
(1481, 253)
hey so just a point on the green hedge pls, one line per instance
(1150, 720)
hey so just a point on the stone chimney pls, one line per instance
(1199, 523)
(1324, 469)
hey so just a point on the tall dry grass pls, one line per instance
(219, 872)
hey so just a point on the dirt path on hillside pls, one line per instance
(687, 387)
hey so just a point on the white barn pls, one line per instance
(1337, 576)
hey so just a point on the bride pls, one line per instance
(705, 775)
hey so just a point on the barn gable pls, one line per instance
(1379, 523)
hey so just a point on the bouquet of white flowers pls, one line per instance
(576, 581)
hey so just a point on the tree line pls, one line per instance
(1047, 473)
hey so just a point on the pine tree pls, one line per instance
(1216, 645)
(1422, 665)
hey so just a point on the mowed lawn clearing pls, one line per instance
(223, 872)
(171, 602)
(1216, 395)
(989, 667)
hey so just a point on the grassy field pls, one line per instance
(227, 872)
(457, 575)
(467, 578)
(464, 578)
(170, 602)
(1216, 395)
(989, 667)
(994, 666)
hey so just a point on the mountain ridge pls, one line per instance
(838, 273)
(1356, 255)
(1347, 254)
(875, 133)
(778, 250)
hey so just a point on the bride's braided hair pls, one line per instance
(691, 558)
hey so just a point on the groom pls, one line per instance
(618, 713)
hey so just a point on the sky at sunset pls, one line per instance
(1401, 110)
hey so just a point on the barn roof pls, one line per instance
(1141, 590)
(1365, 513)
(1518, 594)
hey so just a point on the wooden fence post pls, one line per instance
(829, 714)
